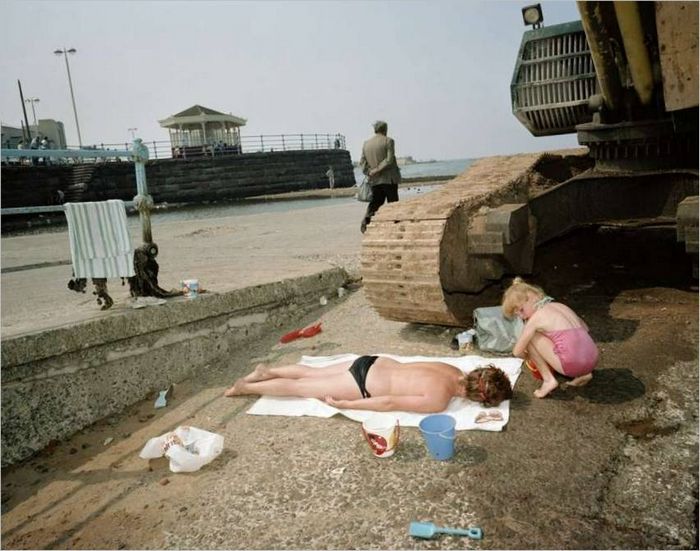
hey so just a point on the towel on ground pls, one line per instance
(463, 410)
(100, 245)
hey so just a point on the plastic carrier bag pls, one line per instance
(364, 191)
(495, 332)
(188, 448)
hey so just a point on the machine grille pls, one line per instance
(553, 79)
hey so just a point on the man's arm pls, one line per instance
(418, 404)
(364, 165)
(389, 160)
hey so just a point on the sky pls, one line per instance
(437, 71)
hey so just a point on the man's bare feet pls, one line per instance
(581, 381)
(237, 389)
(546, 388)
(260, 373)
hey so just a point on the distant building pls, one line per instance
(408, 160)
(10, 137)
(53, 130)
(199, 127)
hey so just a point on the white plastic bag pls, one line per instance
(495, 332)
(364, 191)
(188, 448)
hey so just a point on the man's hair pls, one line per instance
(488, 385)
(516, 295)
(380, 127)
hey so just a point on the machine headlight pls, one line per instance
(532, 15)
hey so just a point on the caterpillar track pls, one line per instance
(418, 264)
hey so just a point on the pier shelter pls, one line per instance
(200, 131)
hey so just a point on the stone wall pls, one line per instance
(179, 180)
(57, 382)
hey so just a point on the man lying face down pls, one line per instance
(378, 383)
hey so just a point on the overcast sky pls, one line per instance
(438, 72)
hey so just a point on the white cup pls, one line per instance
(190, 287)
(381, 431)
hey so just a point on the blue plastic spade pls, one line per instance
(428, 530)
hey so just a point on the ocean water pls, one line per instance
(450, 167)
(253, 206)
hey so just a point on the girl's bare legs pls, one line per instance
(294, 371)
(541, 350)
(339, 385)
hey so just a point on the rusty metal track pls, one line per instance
(415, 266)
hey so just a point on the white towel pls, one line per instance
(100, 245)
(463, 410)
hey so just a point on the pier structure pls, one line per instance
(199, 131)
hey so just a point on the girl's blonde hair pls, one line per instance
(516, 295)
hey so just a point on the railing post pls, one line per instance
(262, 143)
(302, 140)
(142, 201)
(316, 138)
(284, 148)
(155, 149)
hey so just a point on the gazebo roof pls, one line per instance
(198, 114)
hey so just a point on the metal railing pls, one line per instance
(164, 149)
(137, 153)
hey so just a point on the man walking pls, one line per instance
(378, 163)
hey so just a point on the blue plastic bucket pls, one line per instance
(439, 435)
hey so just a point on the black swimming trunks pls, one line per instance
(359, 369)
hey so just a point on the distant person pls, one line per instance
(554, 337)
(380, 384)
(337, 143)
(34, 145)
(44, 144)
(21, 145)
(378, 163)
(330, 174)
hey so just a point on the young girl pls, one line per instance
(554, 337)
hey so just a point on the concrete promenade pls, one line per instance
(223, 253)
(612, 465)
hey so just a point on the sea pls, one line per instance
(422, 170)
(450, 167)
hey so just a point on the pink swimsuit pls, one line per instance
(576, 350)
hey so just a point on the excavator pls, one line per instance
(624, 79)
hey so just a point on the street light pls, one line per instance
(33, 101)
(65, 53)
(133, 133)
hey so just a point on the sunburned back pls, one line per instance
(556, 316)
(389, 377)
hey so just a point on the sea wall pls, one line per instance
(178, 180)
(59, 381)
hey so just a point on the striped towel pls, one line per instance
(100, 245)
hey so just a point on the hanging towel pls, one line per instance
(100, 245)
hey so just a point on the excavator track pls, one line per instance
(415, 261)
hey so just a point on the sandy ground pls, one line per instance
(611, 465)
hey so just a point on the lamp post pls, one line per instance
(65, 53)
(33, 101)
(133, 133)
